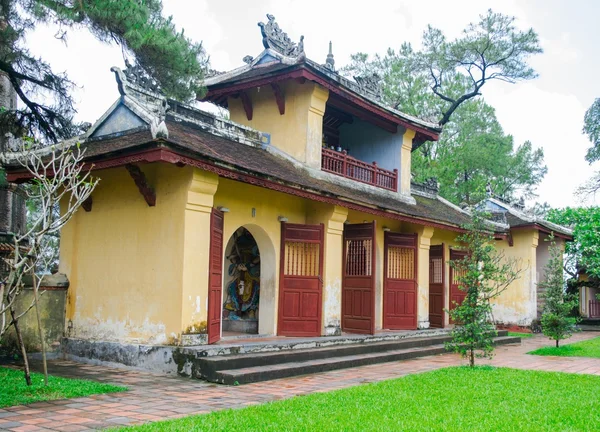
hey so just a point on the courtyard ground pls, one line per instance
(154, 397)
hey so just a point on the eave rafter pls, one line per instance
(247, 104)
(141, 182)
(279, 97)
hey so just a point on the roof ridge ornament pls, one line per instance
(276, 39)
(137, 75)
(136, 84)
(330, 62)
(370, 84)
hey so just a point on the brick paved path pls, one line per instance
(155, 397)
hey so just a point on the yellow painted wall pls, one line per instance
(517, 305)
(299, 131)
(263, 224)
(124, 259)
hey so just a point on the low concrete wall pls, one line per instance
(52, 306)
(154, 358)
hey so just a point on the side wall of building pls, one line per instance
(124, 258)
(518, 303)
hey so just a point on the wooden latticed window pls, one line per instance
(401, 263)
(436, 270)
(358, 257)
(301, 259)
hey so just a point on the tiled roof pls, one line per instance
(517, 218)
(192, 140)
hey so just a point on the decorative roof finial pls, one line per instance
(276, 39)
(330, 62)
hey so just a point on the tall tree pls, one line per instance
(591, 127)
(474, 154)
(440, 83)
(138, 26)
(491, 49)
(453, 71)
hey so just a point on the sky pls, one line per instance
(548, 111)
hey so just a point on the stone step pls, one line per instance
(266, 372)
(207, 366)
(260, 345)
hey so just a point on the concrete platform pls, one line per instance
(284, 360)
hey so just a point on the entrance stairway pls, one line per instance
(256, 366)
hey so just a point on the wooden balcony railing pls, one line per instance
(340, 163)
(594, 309)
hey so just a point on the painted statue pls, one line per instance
(244, 270)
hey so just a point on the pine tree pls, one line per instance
(483, 274)
(46, 107)
(557, 323)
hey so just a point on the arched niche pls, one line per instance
(266, 308)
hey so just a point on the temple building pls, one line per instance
(296, 217)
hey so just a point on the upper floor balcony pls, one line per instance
(339, 162)
(349, 142)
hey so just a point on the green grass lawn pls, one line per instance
(587, 348)
(521, 335)
(451, 399)
(14, 391)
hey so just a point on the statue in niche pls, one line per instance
(244, 270)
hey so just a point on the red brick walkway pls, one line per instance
(156, 397)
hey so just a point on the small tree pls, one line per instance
(483, 274)
(57, 176)
(557, 323)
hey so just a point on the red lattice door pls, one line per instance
(456, 294)
(215, 276)
(400, 281)
(300, 280)
(358, 279)
(436, 286)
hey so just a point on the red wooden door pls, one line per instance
(400, 281)
(300, 280)
(358, 278)
(456, 294)
(215, 277)
(436, 285)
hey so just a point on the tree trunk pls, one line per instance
(21, 345)
(556, 343)
(40, 330)
(472, 358)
